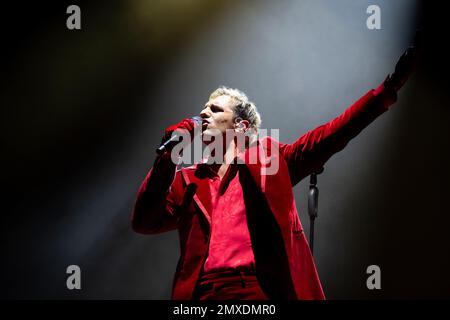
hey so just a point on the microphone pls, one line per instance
(176, 137)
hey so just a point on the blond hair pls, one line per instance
(244, 109)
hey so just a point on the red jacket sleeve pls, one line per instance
(310, 152)
(158, 199)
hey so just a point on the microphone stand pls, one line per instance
(313, 202)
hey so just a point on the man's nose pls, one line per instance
(204, 113)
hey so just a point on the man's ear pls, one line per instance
(242, 125)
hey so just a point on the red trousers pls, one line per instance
(229, 286)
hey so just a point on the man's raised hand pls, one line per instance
(405, 66)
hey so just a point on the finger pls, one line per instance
(187, 124)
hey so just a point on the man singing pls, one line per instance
(240, 234)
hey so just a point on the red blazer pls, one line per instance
(170, 199)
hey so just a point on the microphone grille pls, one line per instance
(197, 120)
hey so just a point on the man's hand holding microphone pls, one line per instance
(173, 133)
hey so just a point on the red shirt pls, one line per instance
(230, 245)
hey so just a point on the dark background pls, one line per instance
(82, 112)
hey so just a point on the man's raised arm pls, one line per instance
(310, 152)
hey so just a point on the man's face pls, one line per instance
(218, 115)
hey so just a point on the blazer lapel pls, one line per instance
(203, 195)
(277, 191)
